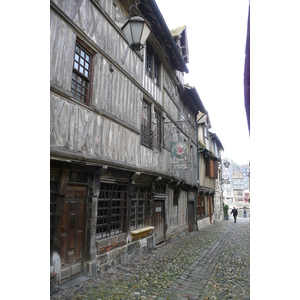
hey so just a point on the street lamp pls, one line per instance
(136, 30)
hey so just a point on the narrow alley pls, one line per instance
(212, 263)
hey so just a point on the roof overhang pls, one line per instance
(159, 28)
(218, 142)
(192, 94)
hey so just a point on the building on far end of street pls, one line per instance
(236, 192)
(209, 198)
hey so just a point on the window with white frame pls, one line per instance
(81, 77)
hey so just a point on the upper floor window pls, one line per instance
(146, 133)
(152, 65)
(150, 136)
(205, 128)
(157, 130)
(81, 76)
(211, 168)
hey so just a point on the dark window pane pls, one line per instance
(73, 93)
(78, 96)
(77, 49)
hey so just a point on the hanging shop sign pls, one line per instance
(180, 155)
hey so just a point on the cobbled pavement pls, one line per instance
(212, 263)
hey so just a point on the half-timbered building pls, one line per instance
(123, 137)
(209, 207)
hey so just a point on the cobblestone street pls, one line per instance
(213, 263)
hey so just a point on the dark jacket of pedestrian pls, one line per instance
(234, 212)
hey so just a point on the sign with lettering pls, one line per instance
(180, 155)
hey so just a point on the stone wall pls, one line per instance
(203, 222)
(119, 255)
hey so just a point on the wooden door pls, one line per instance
(159, 221)
(72, 232)
(191, 214)
(209, 208)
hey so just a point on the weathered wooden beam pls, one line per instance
(157, 179)
(135, 176)
(170, 181)
(102, 170)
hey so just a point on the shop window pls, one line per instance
(140, 215)
(112, 210)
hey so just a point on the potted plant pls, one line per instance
(226, 207)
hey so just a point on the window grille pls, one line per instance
(157, 130)
(146, 133)
(112, 210)
(160, 189)
(140, 215)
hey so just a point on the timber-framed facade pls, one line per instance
(209, 206)
(113, 191)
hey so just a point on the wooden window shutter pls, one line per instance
(207, 167)
(216, 169)
(211, 168)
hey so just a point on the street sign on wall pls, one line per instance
(180, 155)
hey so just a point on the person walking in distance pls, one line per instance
(234, 212)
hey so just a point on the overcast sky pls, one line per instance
(216, 31)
